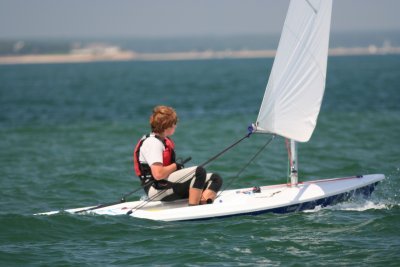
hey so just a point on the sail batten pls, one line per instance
(296, 85)
(313, 8)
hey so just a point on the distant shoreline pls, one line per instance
(120, 55)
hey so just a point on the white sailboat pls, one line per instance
(290, 108)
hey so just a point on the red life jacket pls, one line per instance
(143, 170)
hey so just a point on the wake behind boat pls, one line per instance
(289, 109)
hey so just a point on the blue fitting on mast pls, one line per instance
(250, 130)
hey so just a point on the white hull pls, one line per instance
(276, 198)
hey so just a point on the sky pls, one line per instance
(171, 18)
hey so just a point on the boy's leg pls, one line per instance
(213, 185)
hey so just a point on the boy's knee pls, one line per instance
(216, 182)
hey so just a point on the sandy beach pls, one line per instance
(120, 55)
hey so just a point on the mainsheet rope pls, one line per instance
(247, 165)
(191, 173)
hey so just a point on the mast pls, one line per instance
(293, 163)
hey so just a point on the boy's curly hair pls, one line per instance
(162, 118)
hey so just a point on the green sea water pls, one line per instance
(67, 133)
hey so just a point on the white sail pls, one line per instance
(296, 85)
